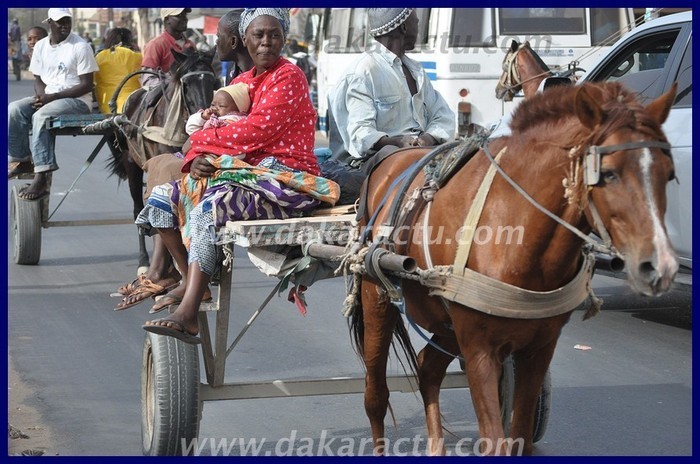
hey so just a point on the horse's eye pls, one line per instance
(608, 176)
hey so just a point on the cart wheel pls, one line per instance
(26, 228)
(506, 391)
(169, 396)
(544, 403)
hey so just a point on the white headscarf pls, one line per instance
(249, 14)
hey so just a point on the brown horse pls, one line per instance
(546, 157)
(190, 84)
(524, 69)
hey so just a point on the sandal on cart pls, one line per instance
(179, 331)
(146, 289)
(128, 289)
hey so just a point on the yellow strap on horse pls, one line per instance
(497, 298)
(472, 219)
(474, 290)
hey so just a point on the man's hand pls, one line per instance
(42, 99)
(426, 140)
(201, 167)
(403, 141)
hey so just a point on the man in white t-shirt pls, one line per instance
(63, 65)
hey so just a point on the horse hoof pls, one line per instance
(141, 270)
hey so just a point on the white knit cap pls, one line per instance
(384, 20)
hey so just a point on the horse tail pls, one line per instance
(117, 147)
(356, 323)
(401, 341)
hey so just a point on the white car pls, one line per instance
(649, 59)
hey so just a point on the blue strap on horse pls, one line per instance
(407, 178)
(401, 306)
(383, 243)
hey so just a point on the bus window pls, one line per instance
(605, 25)
(522, 21)
(471, 27)
(338, 32)
(423, 27)
(358, 30)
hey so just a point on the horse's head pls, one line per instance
(627, 169)
(522, 69)
(195, 73)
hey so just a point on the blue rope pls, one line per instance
(401, 306)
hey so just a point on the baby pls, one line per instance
(229, 104)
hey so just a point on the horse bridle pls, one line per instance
(591, 168)
(510, 79)
(192, 78)
(200, 75)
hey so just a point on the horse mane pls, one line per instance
(620, 106)
(536, 57)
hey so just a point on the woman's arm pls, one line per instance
(271, 115)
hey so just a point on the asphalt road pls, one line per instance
(80, 362)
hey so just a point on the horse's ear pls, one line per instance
(179, 57)
(660, 107)
(514, 46)
(587, 108)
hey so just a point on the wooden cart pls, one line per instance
(28, 217)
(172, 394)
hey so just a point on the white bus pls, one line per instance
(462, 49)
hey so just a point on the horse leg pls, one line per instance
(380, 318)
(432, 365)
(483, 371)
(135, 177)
(530, 369)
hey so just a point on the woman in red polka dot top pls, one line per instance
(281, 124)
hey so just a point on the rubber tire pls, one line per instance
(544, 405)
(506, 392)
(169, 395)
(25, 217)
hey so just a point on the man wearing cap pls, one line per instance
(158, 52)
(385, 98)
(63, 67)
